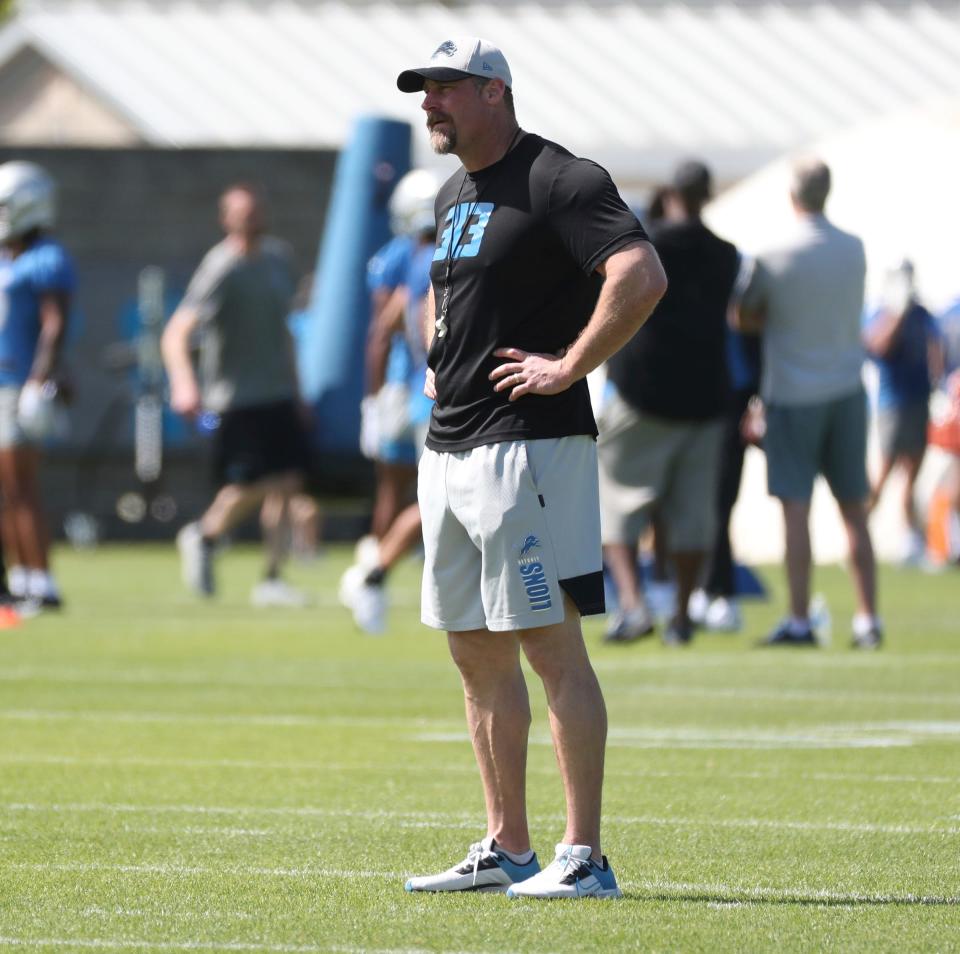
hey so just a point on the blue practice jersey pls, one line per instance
(417, 281)
(44, 267)
(904, 374)
(388, 267)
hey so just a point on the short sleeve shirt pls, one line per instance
(242, 304)
(674, 366)
(811, 289)
(45, 267)
(518, 245)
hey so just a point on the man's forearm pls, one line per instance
(633, 285)
(53, 312)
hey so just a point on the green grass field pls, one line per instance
(178, 776)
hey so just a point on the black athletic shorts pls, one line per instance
(259, 441)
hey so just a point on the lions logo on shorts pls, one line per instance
(532, 575)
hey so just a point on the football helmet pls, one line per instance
(411, 204)
(27, 199)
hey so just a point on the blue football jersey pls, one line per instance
(44, 267)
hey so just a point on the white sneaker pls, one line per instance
(196, 561)
(625, 627)
(484, 869)
(277, 593)
(723, 616)
(573, 874)
(913, 549)
(368, 603)
(697, 607)
(367, 552)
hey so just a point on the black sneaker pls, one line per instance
(786, 635)
(678, 633)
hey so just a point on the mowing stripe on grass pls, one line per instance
(467, 769)
(680, 890)
(451, 819)
(220, 681)
(278, 720)
(845, 735)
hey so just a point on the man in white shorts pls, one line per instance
(540, 273)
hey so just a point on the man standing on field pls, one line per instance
(540, 273)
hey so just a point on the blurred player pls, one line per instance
(36, 285)
(401, 401)
(902, 338)
(238, 301)
(383, 434)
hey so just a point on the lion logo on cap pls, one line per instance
(447, 49)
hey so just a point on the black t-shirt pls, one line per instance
(522, 239)
(675, 366)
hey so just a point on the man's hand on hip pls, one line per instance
(529, 373)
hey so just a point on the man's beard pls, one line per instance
(443, 141)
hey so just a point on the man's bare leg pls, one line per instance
(796, 519)
(578, 720)
(621, 559)
(498, 717)
(862, 563)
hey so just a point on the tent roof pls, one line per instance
(636, 86)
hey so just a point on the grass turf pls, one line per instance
(179, 776)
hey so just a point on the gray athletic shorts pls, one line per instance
(507, 529)
(647, 460)
(10, 433)
(828, 438)
(903, 430)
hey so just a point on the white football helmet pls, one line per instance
(411, 204)
(28, 199)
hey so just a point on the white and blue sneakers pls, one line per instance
(486, 868)
(573, 874)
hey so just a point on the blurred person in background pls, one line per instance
(805, 297)
(237, 303)
(715, 605)
(541, 272)
(902, 339)
(37, 282)
(661, 427)
(943, 513)
(385, 436)
(363, 585)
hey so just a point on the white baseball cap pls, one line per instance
(456, 59)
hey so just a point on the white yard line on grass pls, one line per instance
(391, 768)
(441, 730)
(168, 869)
(733, 894)
(220, 681)
(129, 945)
(452, 819)
(835, 735)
